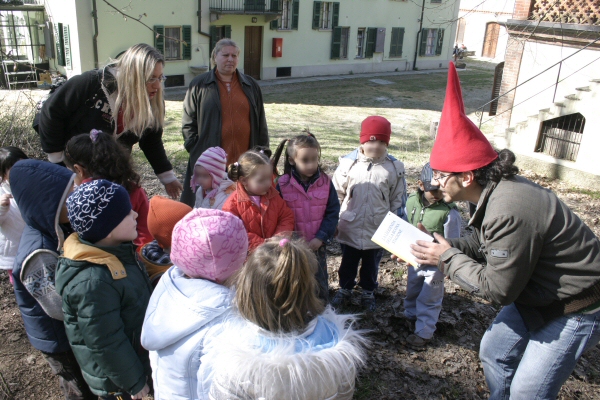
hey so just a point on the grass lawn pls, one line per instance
(333, 110)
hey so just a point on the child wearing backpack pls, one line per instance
(425, 284)
(11, 221)
(369, 185)
(40, 189)
(283, 343)
(98, 155)
(256, 201)
(191, 301)
(309, 192)
(210, 181)
(105, 291)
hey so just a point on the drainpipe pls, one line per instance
(418, 36)
(95, 37)
(199, 13)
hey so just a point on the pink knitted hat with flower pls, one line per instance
(209, 244)
(214, 159)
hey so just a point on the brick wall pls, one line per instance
(510, 75)
(523, 9)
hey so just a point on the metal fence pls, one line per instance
(560, 137)
(247, 6)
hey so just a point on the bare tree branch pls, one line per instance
(139, 19)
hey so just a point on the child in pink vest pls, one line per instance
(309, 192)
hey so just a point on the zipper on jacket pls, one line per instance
(459, 279)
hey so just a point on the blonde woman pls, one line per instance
(125, 98)
(222, 108)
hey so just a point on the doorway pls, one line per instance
(492, 31)
(253, 51)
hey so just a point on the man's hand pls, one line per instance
(174, 189)
(429, 253)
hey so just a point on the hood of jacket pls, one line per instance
(40, 189)
(181, 306)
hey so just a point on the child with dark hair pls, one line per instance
(105, 291)
(98, 155)
(255, 201)
(11, 222)
(309, 192)
(425, 286)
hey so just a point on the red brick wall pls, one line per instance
(523, 9)
(510, 75)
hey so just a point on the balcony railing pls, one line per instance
(22, 2)
(246, 6)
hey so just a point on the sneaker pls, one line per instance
(367, 301)
(341, 298)
(417, 342)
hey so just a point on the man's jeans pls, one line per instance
(423, 301)
(534, 365)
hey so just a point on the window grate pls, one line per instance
(561, 137)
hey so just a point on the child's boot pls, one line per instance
(368, 301)
(341, 298)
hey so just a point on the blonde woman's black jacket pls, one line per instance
(202, 120)
(80, 105)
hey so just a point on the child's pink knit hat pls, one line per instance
(209, 244)
(214, 159)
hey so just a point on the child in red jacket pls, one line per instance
(256, 202)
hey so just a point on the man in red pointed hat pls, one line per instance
(528, 252)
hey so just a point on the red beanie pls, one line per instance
(375, 128)
(460, 146)
(163, 214)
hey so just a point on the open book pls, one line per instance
(396, 235)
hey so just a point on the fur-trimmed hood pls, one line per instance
(320, 363)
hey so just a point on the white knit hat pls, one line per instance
(214, 159)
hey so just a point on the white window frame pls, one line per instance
(361, 36)
(344, 41)
(172, 44)
(286, 16)
(326, 15)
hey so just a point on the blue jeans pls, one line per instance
(423, 301)
(519, 364)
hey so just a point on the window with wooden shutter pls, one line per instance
(187, 38)
(159, 38)
(370, 45)
(273, 25)
(275, 5)
(396, 42)
(295, 14)
(360, 43)
(440, 42)
(336, 38)
(335, 15)
(217, 33)
(423, 44)
(60, 44)
(316, 20)
(173, 43)
(67, 47)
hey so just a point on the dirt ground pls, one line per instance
(448, 369)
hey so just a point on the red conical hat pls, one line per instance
(460, 146)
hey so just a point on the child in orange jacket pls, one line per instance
(256, 202)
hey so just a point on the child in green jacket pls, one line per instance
(105, 291)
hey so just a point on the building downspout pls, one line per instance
(199, 13)
(95, 37)
(418, 36)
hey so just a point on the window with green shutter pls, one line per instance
(60, 44)
(187, 38)
(440, 42)
(295, 14)
(159, 38)
(217, 33)
(370, 45)
(335, 15)
(316, 20)
(336, 38)
(396, 42)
